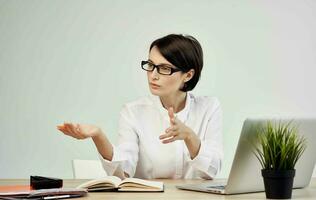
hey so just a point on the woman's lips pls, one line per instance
(154, 85)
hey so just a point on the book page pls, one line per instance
(101, 183)
(141, 184)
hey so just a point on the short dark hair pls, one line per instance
(184, 52)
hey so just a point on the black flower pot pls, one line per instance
(278, 184)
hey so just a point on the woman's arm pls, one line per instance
(193, 143)
(103, 145)
(206, 154)
(208, 161)
(179, 131)
(120, 160)
(83, 131)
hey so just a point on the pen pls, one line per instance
(57, 197)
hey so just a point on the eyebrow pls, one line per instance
(161, 63)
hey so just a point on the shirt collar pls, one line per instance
(182, 115)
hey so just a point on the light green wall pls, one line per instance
(79, 61)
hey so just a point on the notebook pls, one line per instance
(25, 191)
(113, 183)
(245, 174)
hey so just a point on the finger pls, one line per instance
(60, 126)
(170, 140)
(78, 131)
(63, 129)
(172, 128)
(72, 127)
(171, 115)
(64, 132)
(164, 136)
(176, 120)
(167, 130)
(167, 135)
(77, 128)
(173, 121)
(69, 129)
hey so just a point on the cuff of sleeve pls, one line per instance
(200, 161)
(111, 166)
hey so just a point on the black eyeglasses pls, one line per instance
(161, 69)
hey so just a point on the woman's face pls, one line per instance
(163, 85)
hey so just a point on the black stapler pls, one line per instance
(41, 182)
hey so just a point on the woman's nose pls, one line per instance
(155, 74)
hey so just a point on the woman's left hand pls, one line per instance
(177, 130)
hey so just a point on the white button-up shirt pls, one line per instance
(141, 154)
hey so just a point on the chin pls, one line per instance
(155, 92)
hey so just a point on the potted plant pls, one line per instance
(279, 149)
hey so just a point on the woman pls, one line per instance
(170, 134)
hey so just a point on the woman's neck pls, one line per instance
(177, 101)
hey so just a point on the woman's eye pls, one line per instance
(165, 68)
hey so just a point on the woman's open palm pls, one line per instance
(79, 131)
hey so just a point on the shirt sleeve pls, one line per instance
(125, 153)
(208, 161)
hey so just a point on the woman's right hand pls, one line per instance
(79, 131)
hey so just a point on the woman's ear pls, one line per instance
(189, 75)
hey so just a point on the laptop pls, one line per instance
(245, 174)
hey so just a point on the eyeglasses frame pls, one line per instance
(173, 70)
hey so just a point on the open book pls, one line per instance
(113, 183)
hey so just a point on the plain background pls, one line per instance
(79, 61)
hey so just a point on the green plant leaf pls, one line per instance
(279, 147)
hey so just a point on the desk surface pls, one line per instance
(171, 192)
